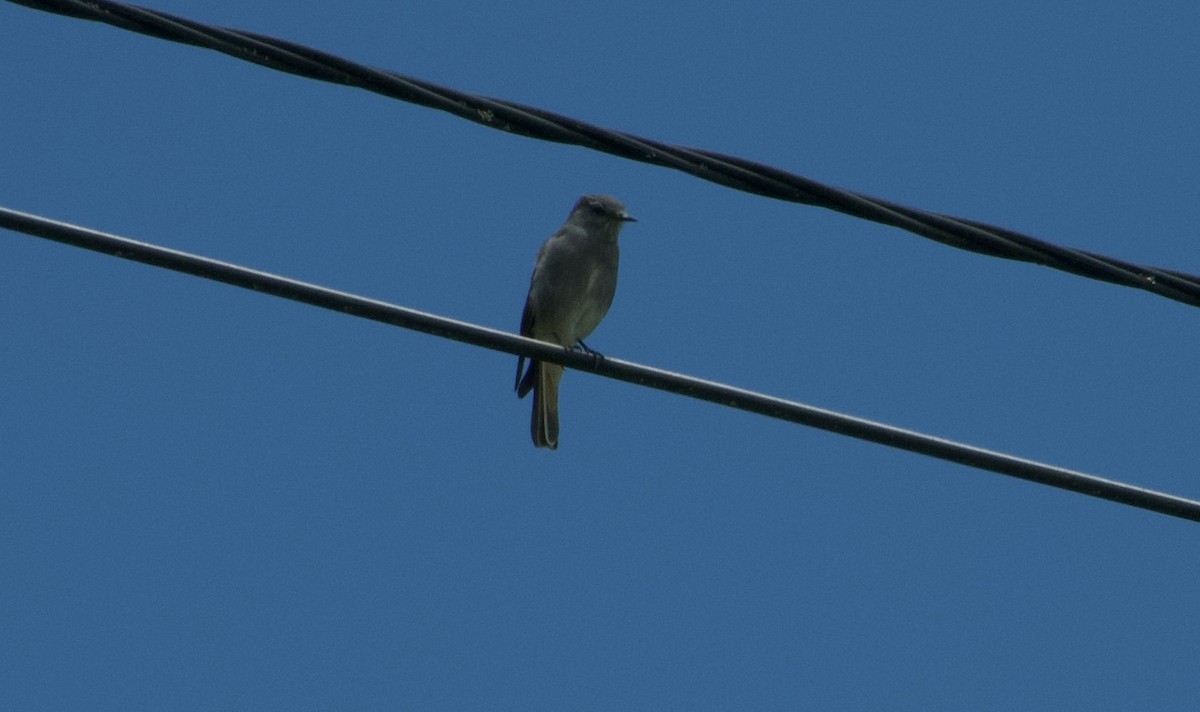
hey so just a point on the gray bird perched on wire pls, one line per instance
(573, 283)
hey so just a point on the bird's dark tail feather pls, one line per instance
(544, 423)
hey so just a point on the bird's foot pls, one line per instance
(597, 357)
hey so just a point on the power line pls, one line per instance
(726, 170)
(714, 392)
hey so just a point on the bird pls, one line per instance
(572, 287)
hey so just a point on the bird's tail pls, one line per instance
(544, 423)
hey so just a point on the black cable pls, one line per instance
(609, 367)
(725, 170)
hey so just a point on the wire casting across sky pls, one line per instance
(610, 367)
(731, 171)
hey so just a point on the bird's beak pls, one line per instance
(626, 217)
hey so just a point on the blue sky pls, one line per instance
(216, 499)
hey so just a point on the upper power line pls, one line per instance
(726, 170)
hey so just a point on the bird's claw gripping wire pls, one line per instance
(581, 347)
